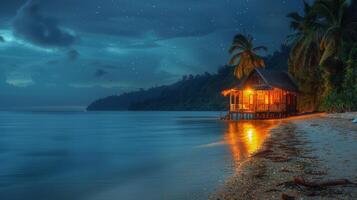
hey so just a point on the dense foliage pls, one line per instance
(345, 99)
(200, 92)
(123, 101)
(322, 57)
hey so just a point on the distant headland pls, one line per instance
(192, 92)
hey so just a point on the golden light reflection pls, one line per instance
(247, 137)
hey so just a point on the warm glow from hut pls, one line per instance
(251, 138)
(250, 134)
(262, 95)
(248, 91)
(245, 138)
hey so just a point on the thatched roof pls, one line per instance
(272, 79)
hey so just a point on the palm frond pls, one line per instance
(240, 39)
(235, 58)
(258, 48)
(244, 55)
(327, 54)
(238, 72)
(323, 7)
(295, 16)
(234, 48)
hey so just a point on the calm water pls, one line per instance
(120, 155)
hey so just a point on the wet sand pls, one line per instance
(315, 148)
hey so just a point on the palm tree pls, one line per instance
(305, 56)
(305, 40)
(339, 30)
(324, 25)
(321, 37)
(244, 55)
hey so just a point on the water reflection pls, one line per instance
(246, 137)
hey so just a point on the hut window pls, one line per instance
(276, 97)
(266, 99)
(260, 97)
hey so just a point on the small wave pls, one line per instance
(213, 144)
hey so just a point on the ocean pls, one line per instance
(120, 155)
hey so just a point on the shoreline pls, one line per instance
(300, 147)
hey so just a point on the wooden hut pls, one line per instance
(263, 94)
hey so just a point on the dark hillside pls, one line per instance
(200, 92)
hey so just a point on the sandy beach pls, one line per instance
(306, 157)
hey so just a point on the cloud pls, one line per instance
(100, 73)
(124, 45)
(38, 29)
(144, 45)
(178, 24)
(19, 79)
(72, 55)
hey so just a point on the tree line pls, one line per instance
(322, 58)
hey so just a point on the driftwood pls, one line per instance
(316, 184)
(272, 190)
(286, 197)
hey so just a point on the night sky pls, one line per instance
(70, 52)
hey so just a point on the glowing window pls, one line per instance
(266, 99)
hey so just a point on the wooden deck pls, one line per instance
(256, 115)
